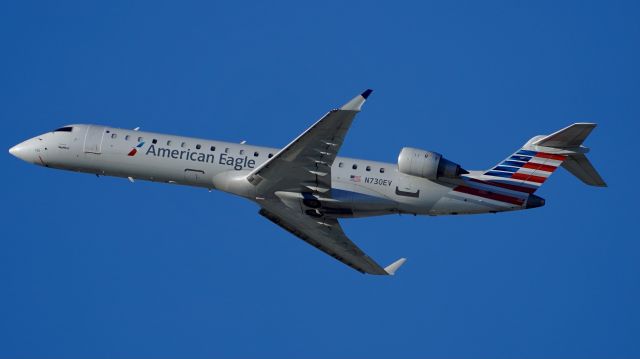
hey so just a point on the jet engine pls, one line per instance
(427, 164)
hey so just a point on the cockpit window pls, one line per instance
(64, 129)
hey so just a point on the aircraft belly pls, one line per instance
(349, 203)
(453, 203)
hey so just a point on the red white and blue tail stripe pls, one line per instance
(513, 181)
(524, 171)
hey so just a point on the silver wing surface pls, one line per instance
(304, 166)
(326, 235)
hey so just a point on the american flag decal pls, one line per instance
(354, 178)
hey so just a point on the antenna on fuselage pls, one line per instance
(136, 129)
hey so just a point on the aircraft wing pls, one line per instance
(304, 165)
(326, 235)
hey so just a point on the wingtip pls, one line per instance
(393, 267)
(356, 103)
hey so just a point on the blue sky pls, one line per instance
(100, 267)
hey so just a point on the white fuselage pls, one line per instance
(358, 187)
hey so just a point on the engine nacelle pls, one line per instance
(427, 164)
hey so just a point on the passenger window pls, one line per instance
(256, 154)
(355, 166)
(368, 168)
(198, 147)
(381, 170)
(168, 142)
(226, 150)
(154, 141)
(113, 135)
(242, 152)
(126, 138)
(270, 155)
(139, 139)
(213, 148)
(183, 144)
(341, 164)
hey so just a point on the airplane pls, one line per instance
(305, 188)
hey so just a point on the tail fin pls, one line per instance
(527, 169)
(570, 139)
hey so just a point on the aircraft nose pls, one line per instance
(25, 151)
(18, 151)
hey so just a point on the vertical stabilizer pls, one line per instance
(528, 168)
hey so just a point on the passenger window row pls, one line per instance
(213, 148)
(355, 167)
(182, 144)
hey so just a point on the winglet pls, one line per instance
(356, 103)
(393, 267)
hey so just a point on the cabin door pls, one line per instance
(93, 139)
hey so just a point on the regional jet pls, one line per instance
(306, 188)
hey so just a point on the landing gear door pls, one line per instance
(194, 177)
(93, 139)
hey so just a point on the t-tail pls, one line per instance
(528, 168)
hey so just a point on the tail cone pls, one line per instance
(534, 201)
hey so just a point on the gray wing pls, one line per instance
(326, 235)
(304, 165)
(307, 160)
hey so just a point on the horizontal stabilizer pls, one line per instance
(393, 267)
(571, 136)
(579, 166)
